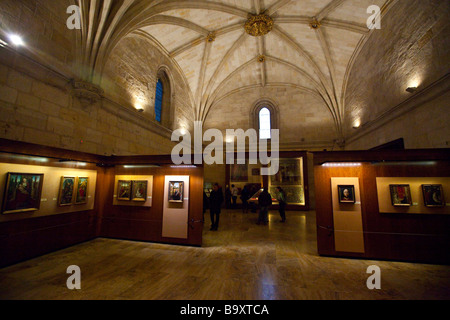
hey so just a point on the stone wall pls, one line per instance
(36, 106)
(304, 121)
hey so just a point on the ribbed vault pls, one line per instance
(207, 42)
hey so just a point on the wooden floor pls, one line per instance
(242, 261)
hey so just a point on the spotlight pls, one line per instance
(411, 89)
(16, 40)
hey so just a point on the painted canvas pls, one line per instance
(139, 191)
(66, 191)
(401, 195)
(433, 195)
(239, 172)
(124, 191)
(22, 192)
(81, 190)
(176, 191)
(346, 194)
(289, 174)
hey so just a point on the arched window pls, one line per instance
(159, 100)
(265, 117)
(265, 124)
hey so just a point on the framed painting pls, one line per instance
(66, 191)
(124, 190)
(433, 195)
(347, 194)
(239, 172)
(176, 191)
(139, 191)
(22, 193)
(81, 190)
(289, 174)
(401, 195)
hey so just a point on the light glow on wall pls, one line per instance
(16, 40)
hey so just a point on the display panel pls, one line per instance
(133, 191)
(22, 192)
(413, 195)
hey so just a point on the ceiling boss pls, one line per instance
(258, 25)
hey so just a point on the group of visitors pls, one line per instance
(216, 199)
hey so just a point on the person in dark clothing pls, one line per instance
(264, 201)
(282, 203)
(215, 206)
(245, 196)
(228, 198)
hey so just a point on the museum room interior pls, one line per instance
(350, 96)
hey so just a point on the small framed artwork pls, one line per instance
(81, 190)
(176, 191)
(401, 195)
(139, 191)
(124, 191)
(22, 193)
(66, 191)
(347, 194)
(433, 195)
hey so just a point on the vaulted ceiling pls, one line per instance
(209, 45)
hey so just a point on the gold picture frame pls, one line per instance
(66, 191)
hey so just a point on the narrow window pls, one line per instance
(159, 100)
(265, 124)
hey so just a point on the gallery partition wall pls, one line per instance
(53, 198)
(391, 205)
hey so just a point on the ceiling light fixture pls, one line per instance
(16, 40)
(411, 89)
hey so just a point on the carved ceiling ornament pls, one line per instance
(258, 25)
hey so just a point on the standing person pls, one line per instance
(215, 206)
(265, 201)
(234, 195)
(245, 195)
(227, 197)
(281, 197)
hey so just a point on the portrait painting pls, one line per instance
(124, 191)
(139, 191)
(81, 190)
(22, 192)
(239, 172)
(401, 195)
(66, 191)
(176, 191)
(433, 195)
(346, 194)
